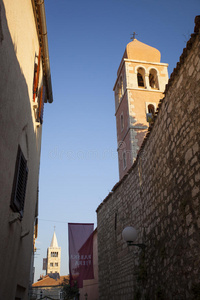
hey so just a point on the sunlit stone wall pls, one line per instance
(160, 197)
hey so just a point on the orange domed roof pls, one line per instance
(137, 50)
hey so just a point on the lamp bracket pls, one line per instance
(142, 246)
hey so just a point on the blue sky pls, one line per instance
(87, 40)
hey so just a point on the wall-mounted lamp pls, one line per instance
(129, 234)
(86, 295)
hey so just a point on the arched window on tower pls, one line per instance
(122, 85)
(153, 79)
(122, 121)
(120, 88)
(151, 109)
(141, 77)
(150, 113)
(119, 92)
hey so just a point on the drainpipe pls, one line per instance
(45, 51)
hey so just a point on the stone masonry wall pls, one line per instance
(159, 196)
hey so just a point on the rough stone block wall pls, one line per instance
(160, 196)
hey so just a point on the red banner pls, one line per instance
(80, 252)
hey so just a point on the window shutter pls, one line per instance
(19, 183)
(41, 104)
(36, 77)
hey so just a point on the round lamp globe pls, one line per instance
(129, 234)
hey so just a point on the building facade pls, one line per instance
(141, 80)
(25, 86)
(160, 197)
(49, 288)
(53, 256)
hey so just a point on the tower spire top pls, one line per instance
(133, 36)
(54, 243)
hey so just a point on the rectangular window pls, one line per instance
(51, 264)
(56, 264)
(19, 183)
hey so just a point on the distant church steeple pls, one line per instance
(53, 256)
(54, 243)
(141, 80)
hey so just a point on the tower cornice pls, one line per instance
(146, 62)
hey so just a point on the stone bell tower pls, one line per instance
(53, 256)
(141, 80)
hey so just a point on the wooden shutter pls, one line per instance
(41, 104)
(36, 228)
(36, 77)
(19, 183)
